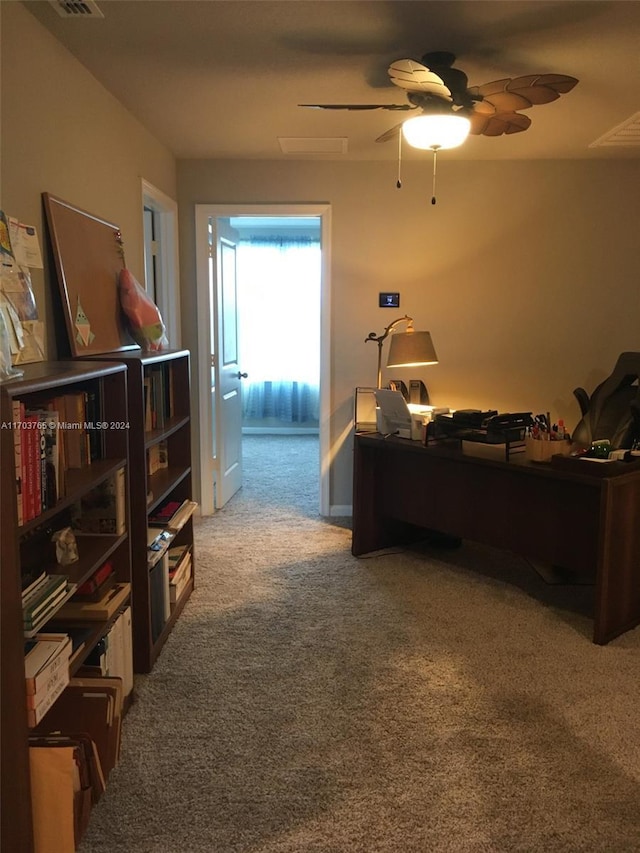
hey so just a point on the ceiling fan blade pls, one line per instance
(390, 134)
(542, 88)
(500, 98)
(359, 106)
(499, 124)
(416, 77)
(520, 93)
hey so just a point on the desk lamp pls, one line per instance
(407, 349)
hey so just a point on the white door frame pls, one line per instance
(203, 212)
(168, 270)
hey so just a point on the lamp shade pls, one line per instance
(411, 348)
(440, 130)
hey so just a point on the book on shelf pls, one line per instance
(96, 610)
(157, 458)
(172, 515)
(32, 625)
(31, 579)
(38, 604)
(48, 422)
(96, 587)
(94, 436)
(162, 515)
(155, 399)
(75, 434)
(31, 467)
(103, 509)
(178, 555)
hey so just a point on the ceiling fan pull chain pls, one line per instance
(399, 181)
(433, 197)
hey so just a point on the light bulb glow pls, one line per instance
(436, 131)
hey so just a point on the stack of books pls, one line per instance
(46, 669)
(41, 599)
(179, 571)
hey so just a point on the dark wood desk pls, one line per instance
(583, 517)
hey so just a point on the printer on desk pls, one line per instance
(394, 416)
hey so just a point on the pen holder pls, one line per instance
(541, 450)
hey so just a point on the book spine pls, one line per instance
(17, 415)
(31, 453)
(42, 449)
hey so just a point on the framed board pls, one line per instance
(88, 256)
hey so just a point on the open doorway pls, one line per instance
(270, 313)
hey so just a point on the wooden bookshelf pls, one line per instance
(159, 415)
(38, 385)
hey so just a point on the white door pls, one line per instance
(228, 376)
(219, 379)
(219, 375)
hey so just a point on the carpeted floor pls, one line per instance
(311, 702)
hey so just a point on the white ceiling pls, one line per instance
(223, 78)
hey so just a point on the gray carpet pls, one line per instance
(310, 702)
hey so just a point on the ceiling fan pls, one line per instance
(450, 109)
(435, 87)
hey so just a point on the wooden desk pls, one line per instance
(573, 517)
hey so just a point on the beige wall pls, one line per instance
(63, 133)
(525, 273)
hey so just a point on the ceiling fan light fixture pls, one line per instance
(438, 131)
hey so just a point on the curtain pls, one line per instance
(279, 309)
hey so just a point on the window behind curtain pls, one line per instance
(279, 310)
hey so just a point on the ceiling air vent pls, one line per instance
(627, 133)
(76, 8)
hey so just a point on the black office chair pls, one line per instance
(613, 410)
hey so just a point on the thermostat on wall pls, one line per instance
(389, 300)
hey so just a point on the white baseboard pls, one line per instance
(280, 431)
(340, 511)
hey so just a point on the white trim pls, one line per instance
(324, 212)
(168, 283)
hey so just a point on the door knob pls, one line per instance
(241, 375)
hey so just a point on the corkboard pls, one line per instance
(88, 256)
